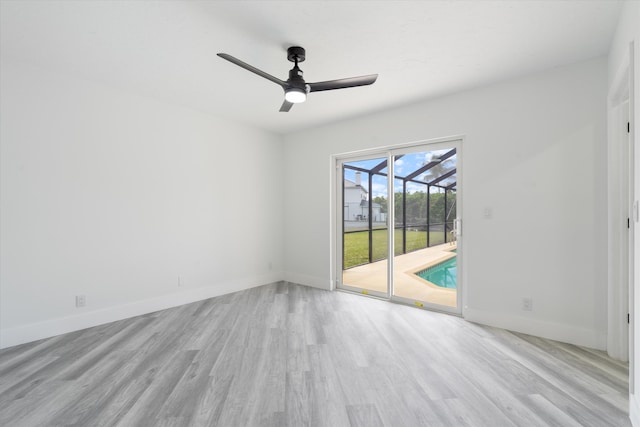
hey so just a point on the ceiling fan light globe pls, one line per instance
(295, 96)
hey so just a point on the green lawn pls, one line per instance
(356, 245)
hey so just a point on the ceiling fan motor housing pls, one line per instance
(295, 77)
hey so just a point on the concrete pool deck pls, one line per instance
(373, 276)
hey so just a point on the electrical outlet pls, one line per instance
(179, 281)
(81, 301)
(527, 304)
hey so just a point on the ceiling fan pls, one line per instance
(295, 88)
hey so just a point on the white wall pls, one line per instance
(115, 196)
(628, 31)
(535, 152)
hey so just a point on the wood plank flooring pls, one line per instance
(289, 355)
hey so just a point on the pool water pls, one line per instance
(444, 274)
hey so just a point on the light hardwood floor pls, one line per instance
(289, 355)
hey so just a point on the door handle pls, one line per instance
(457, 227)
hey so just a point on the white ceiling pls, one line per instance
(420, 49)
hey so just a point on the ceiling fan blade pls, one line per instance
(286, 106)
(343, 83)
(252, 69)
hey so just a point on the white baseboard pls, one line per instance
(550, 330)
(313, 281)
(634, 410)
(10, 337)
(35, 331)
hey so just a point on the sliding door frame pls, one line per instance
(339, 162)
(431, 146)
(337, 220)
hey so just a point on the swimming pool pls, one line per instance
(444, 274)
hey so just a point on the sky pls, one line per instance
(404, 166)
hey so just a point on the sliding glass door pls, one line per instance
(425, 257)
(399, 231)
(364, 233)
